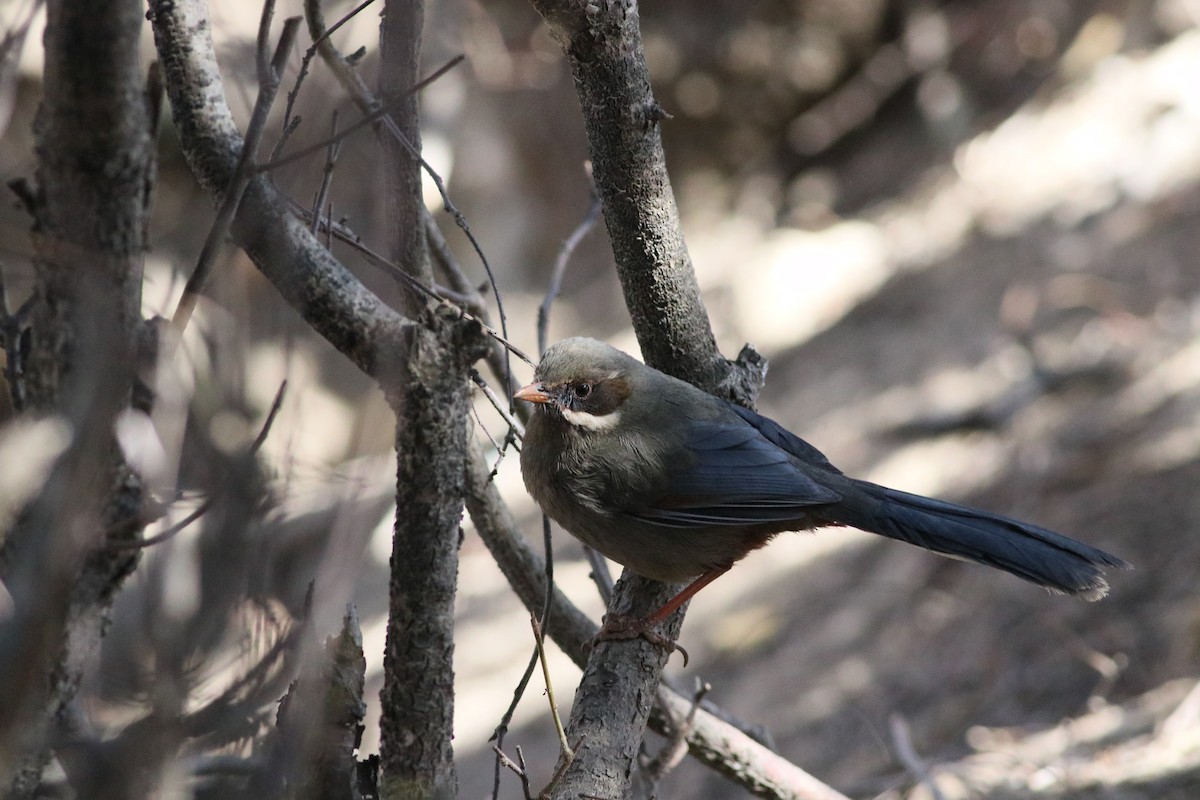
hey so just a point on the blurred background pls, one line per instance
(965, 236)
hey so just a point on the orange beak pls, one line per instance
(533, 393)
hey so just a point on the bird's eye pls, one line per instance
(583, 390)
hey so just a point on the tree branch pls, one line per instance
(348, 315)
(621, 117)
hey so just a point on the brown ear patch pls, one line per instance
(606, 397)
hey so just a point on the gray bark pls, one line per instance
(621, 118)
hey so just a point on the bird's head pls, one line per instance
(584, 382)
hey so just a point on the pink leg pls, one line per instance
(688, 593)
(618, 627)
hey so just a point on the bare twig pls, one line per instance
(513, 423)
(907, 754)
(206, 505)
(469, 296)
(548, 600)
(269, 422)
(558, 726)
(264, 68)
(412, 282)
(676, 747)
(439, 248)
(353, 83)
(503, 760)
(306, 62)
(375, 115)
(560, 265)
(162, 536)
(479, 421)
(331, 157)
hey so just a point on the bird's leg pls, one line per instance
(618, 626)
(687, 593)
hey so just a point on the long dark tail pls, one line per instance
(1038, 555)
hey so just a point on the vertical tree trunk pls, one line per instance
(96, 170)
(431, 401)
(431, 440)
(400, 43)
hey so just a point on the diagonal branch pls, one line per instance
(318, 286)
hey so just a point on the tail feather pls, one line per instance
(1035, 554)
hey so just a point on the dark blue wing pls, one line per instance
(730, 473)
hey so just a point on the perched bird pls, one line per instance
(679, 485)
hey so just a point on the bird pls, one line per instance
(679, 485)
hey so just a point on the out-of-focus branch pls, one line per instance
(96, 172)
(325, 293)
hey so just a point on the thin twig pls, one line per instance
(600, 573)
(289, 128)
(676, 747)
(306, 61)
(468, 295)
(502, 728)
(269, 422)
(486, 432)
(439, 248)
(380, 261)
(162, 536)
(348, 237)
(331, 157)
(263, 67)
(563, 765)
(245, 169)
(558, 726)
(513, 423)
(510, 437)
(907, 754)
(204, 507)
(560, 266)
(381, 112)
(503, 760)
(348, 75)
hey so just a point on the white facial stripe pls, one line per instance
(591, 421)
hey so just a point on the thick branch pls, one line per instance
(621, 118)
(432, 402)
(323, 291)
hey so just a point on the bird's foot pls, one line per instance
(618, 627)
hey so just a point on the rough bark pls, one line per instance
(331, 299)
(431, 403)
(319, 724)
(95, 173)
(621, 118)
